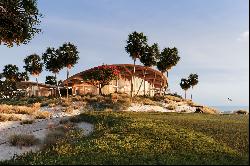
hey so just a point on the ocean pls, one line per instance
(230, 108)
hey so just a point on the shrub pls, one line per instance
(27, 121)
(42, 115)
(147, 101)
(57, 133)
(9, 109)
(66, 103)
(69, 109)
(241, 112)
(171, 107)
(175, 95)
(173, 98)
(158, 98)
(23, 140)
(77, 98)
(9, 118)
(44, 104)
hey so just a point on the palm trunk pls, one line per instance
(58, 87)
(161, 83)
(191, 94)
(132, 80)
(67, 83)
(100, 89)
(144, 76)
(38, 90)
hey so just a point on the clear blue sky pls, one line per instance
(212, 37)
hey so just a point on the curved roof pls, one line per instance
(126, 70)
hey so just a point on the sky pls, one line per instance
(212, 37)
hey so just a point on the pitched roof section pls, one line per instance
(126, 70)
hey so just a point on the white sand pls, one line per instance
(39, 129)
(151, 108)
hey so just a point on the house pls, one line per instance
(31, 88)
(154, 80)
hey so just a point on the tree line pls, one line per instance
(52, 60)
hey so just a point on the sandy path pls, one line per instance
(38, 128)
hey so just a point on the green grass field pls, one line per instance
(151, 138)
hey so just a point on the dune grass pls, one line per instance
(150, 138)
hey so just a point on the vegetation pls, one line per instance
(149, 59)
(70, 57)
(19, 19)
(23, 140)
(11, 75)
(241, 112)
(152, 139)
(136, 45)
(185, 85)
(34, 66)
(51, 80)
(53, 62)
(4, 118)
(101, 76)
(168, 58)
(193, 80)
(27, 121)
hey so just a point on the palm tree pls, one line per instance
(51, 80)
(10, 72)
(70, 57)
(185, 85)
(53, 62)
(168, 58)
(148, 59)
(8, 79)
(136, 45)
(193, 79)
(34, 66)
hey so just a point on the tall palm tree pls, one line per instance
(53, 62)
(135, 47)
(34, 66)
(51, 80)
(168, 58)
(193, 79)
(185, 85)
(148, 59)
(69, 54)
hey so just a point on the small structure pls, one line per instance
(154, 80)
(31, 88)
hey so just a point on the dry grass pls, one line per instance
(171, 107)
(23, 140)
(4, 118)
(173, 98)
(9, 109)
(42, 115)
(69, 109)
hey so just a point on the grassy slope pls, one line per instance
(151, 138)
